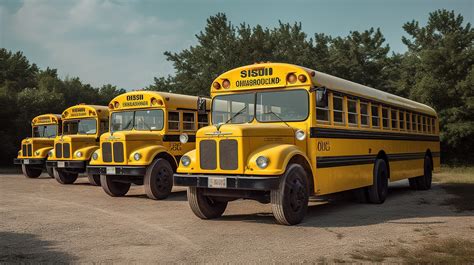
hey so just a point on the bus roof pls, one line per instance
(46, 119)
(85, 111)
(275, 75)
(143, 99)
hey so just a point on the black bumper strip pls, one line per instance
(233, 182)
(339, 161)
(68, 164)
(175, 138)
(317, 132)
(119, 170)
(31, 161)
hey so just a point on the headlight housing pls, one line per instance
(262, 162)
(95, 156)
(183, 138)
(300, 135)
(137, 156)
(185, 160)
(78, 154)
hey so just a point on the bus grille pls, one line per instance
(23, 150)
(228, 159)
(207, 154)
(118, 152)
(26, 150)
(58, 151)
(107, 152)
(30, 150)
(66, 150)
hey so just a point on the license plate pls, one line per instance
(110, 170)
(217, 182)
(26, 161)
(61, 164)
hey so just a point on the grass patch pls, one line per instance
(458, 181)
(438, 251)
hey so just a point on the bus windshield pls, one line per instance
(83, 126)
(140, 120)
(45, 131)
(273, 106)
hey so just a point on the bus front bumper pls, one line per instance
(67, 164)
(29, 161)
(117, 170)
(228, 182)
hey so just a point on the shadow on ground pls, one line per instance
(28, 248)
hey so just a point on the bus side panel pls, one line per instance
(330, 180)
(405, 169)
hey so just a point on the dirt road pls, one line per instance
(43, 221)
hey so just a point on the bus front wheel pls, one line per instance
(31, 172)
(203, 206)
(290, 200)
(379, 189)
(158, 180)
(113, 187)
(64, 177)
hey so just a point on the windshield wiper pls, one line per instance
(276, 115)
(128, 124)
(236, 114)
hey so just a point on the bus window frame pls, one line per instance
(187, 122)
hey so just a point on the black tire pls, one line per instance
(203, 206)
(379, 189)
(64, 177)
(50, 171)
(423, 182)
(94, 179)
(290, 200)
(113, 187)
(31, 172)
(361, 195)
(158, 179)
(413, 183)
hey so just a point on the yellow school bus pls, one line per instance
(281, 133)
(82, 127)
(34, 150)
(149, 132)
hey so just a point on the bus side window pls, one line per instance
(352, 112)
(385, 117)
(203, 120)
(189, 121)
(408, 121)
(414, 126)
(364, 114)
(375, 116)
(394, 119)
(420, 124)
(433, 129)
(173, 120)
(424, 125)
(402, 120)
(322, 106)
(338, 109)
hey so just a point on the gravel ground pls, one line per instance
(43, 221)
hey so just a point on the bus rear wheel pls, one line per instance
(31, 172)
(423, 182)
(379, 189)
(94, 179)
(64, 177)
(112, 187)
(50, 171)
(290, 200)
(158, 180)
(203, 206)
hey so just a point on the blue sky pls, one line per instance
(122, 42)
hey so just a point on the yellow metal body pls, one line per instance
(40, 146)
(326, 143)
(151, 143)
(85, 144)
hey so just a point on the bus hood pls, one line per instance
(131, 136)
(75, 138)
(246, 130)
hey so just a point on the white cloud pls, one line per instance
(99, 41)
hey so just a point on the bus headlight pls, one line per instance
(300, 135)
(183, 138)
(262, 162)
(137, 156)
(78, 154)
(95, 156)
(185, 160)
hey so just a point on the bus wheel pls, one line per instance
(204, 206)
(50, 171)
(64, 177)
(113, 187)
(94, 179)
(31, 172)
(424, 182)
(158, 180)
(290, 200)
(379, 189)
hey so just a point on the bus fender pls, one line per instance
(42, 152)
(148, 154)
(279, 155)
(86, 152)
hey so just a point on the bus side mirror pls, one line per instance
(201, 105)
(322, 97)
